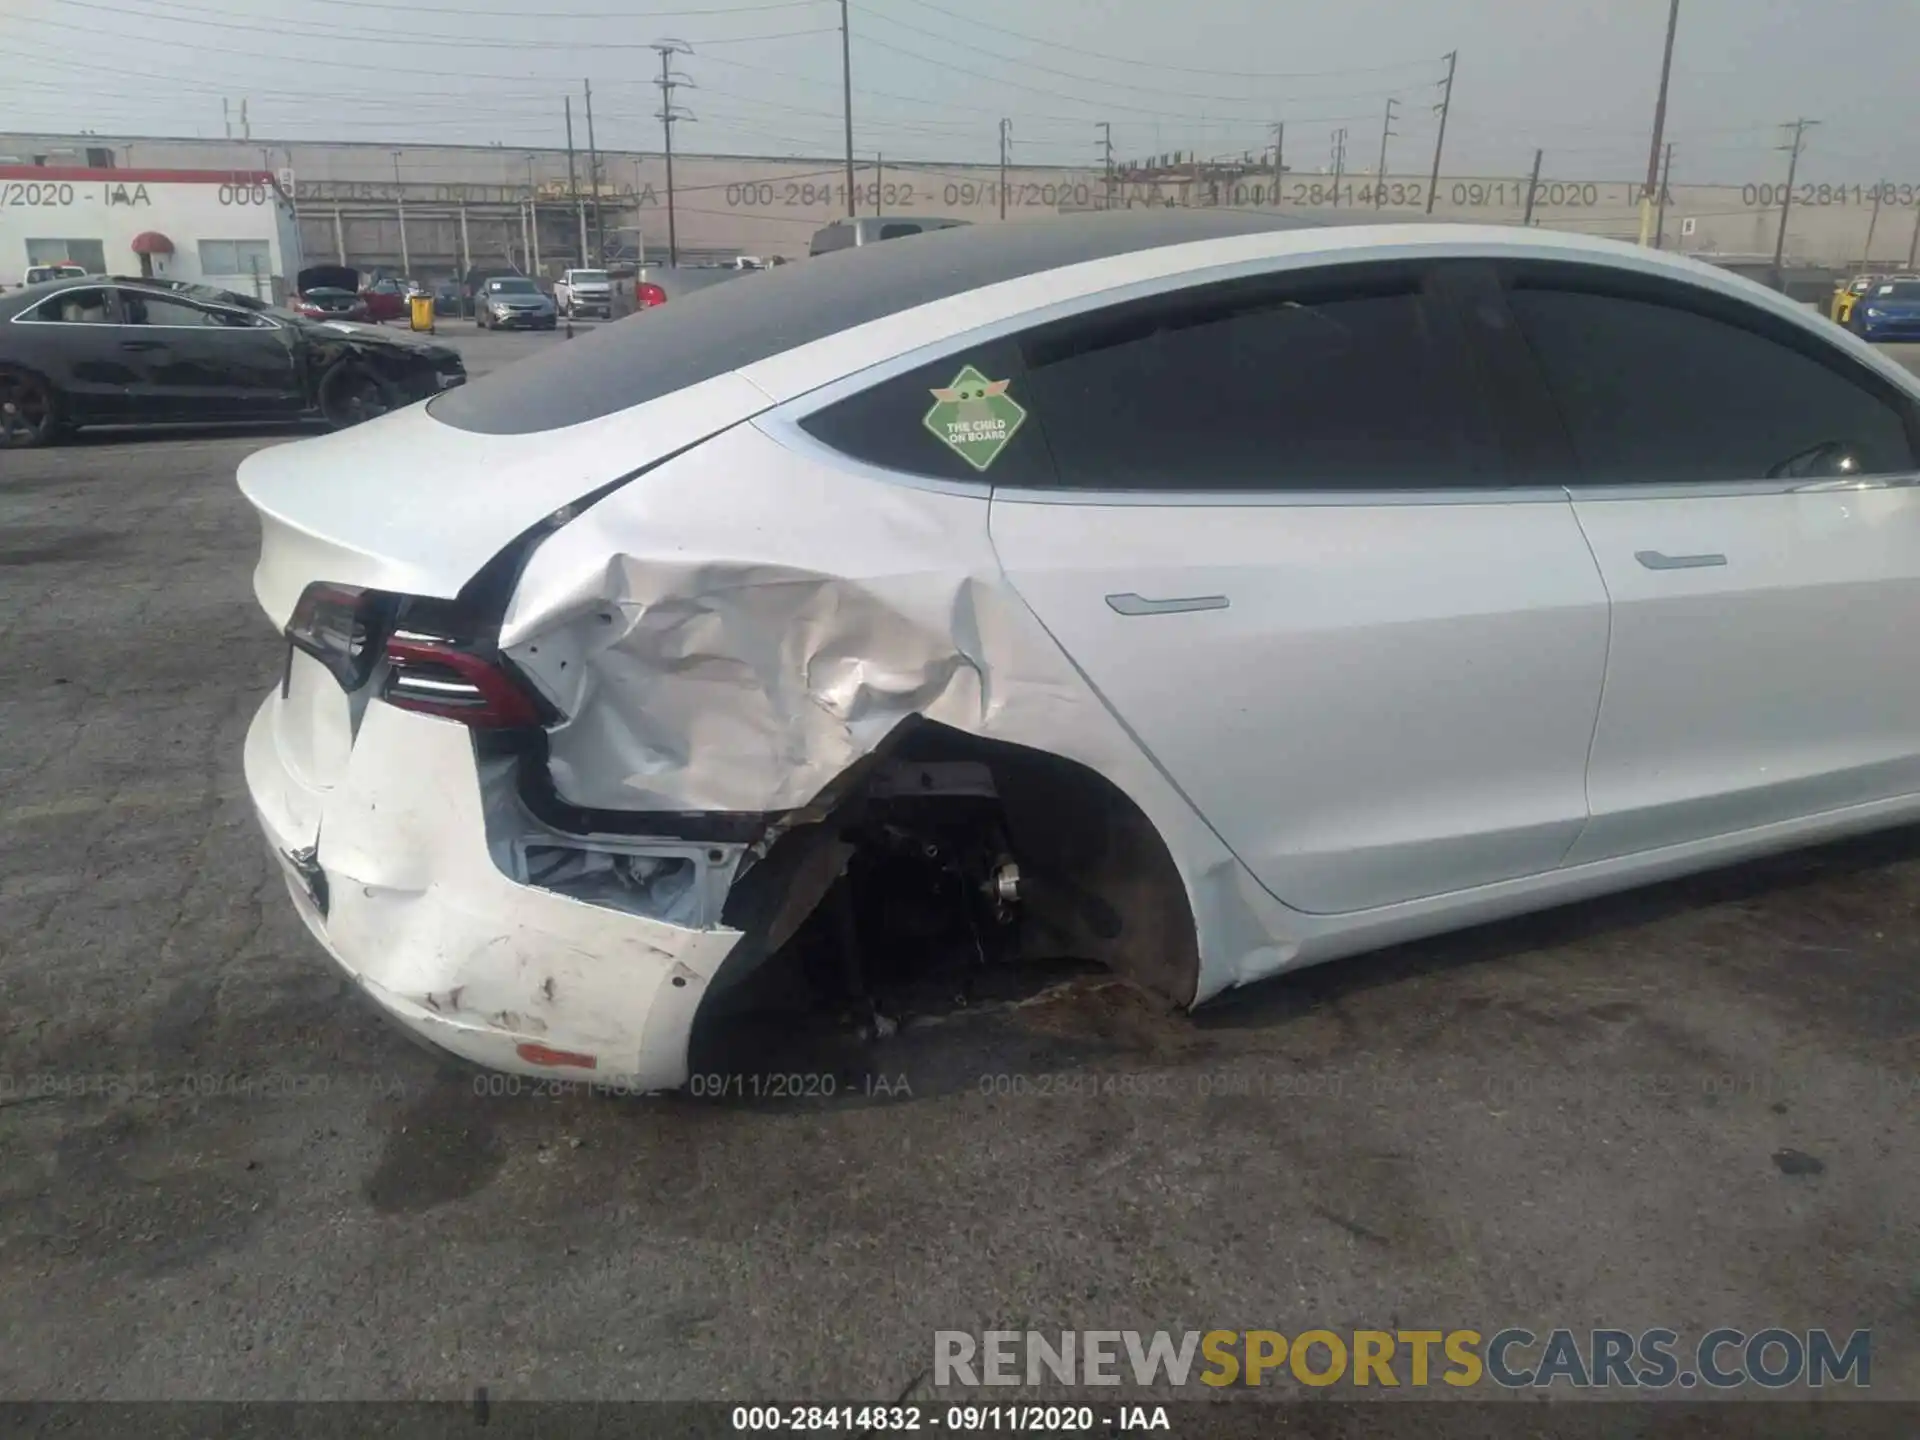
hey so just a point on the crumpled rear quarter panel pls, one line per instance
(733, 629)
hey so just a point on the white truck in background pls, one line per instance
(584, 292)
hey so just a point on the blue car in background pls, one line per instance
(1890, 310)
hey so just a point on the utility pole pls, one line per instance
(668, 114)
(1659, 125)
(1105, 127)
(1339, 161)
(1913, 250)
(1279, 143)
(1793, 149)
(1873, 221)
(1660, 220)
(1380, 174)
(1006, 138)
(879, 179)
(1533, 186)
(846, 97)
(1445, 105)
(533, 211)
(400, 204)
(573, 189)
(593, 183)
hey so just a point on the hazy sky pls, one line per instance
(932, 78)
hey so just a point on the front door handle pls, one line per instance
(1654, 560)
(143, 344)
(1132, 604)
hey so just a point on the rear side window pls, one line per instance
(966, 417)
(1655, 394)
(1349, 384)
(73, 307)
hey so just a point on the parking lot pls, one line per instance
(1691, 1106)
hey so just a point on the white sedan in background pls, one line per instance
(1201, 593)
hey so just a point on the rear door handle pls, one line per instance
(143, 344)
(1654, 560)
(1132, 604)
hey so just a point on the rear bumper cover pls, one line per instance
(412, 905)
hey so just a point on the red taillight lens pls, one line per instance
(340, 626)
(435, 677)
(649, 294)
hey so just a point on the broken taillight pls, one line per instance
(439, 677)
(649, 295)
(340, 626)
(351, 631)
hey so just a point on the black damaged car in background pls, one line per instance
(155, 352)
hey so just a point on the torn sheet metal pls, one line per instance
(706, 662)
(710, 660)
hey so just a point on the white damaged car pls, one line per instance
(1203, 594)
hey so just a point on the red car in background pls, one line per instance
(320, 296)
(386, 298)
(382, 299)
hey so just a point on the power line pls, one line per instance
(1119, 84)
(378, 37)
(1053, 92)
(974, 23)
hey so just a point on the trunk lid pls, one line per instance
(411, 505)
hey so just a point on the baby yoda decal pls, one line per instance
(975, 417)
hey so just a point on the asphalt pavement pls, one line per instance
(224, 1178)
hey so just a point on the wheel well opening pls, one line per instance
(1045, 858)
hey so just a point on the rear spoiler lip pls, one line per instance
(411, 505)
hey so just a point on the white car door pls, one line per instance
(1282, 544)
(1748, 492)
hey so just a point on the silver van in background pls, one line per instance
(871, 228)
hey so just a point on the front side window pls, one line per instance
(1339, 383)
(1652, 393)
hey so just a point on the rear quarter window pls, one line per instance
(905, 425)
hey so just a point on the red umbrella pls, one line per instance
(152, 242)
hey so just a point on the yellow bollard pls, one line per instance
(420, 312)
